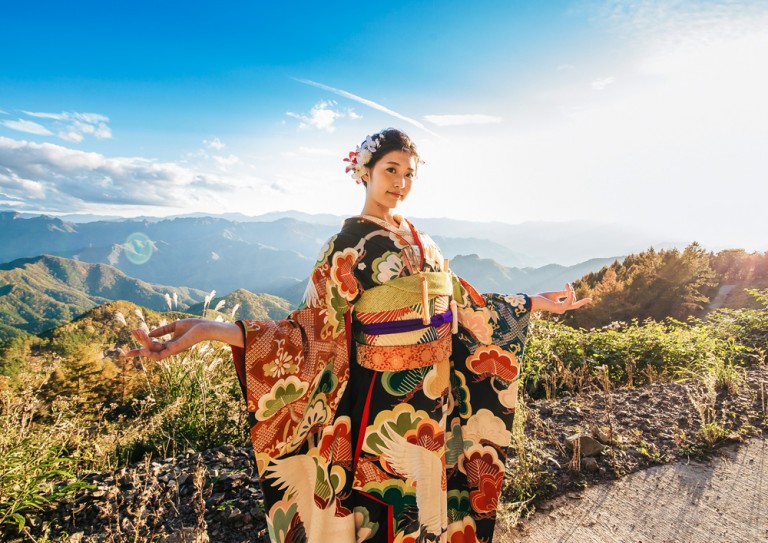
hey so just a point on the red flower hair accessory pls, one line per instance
(362, 155)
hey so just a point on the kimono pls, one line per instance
(381, 410)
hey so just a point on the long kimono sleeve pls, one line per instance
(493, 330)
(293, 372)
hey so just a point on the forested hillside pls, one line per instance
(669, 283)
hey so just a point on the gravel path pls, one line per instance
(722, 500)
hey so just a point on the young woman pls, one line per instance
(381, 409)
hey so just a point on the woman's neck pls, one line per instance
(394, 222)
(384, 215)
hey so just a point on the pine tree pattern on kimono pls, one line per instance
(413, 450)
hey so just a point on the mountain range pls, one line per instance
(88, 263)
(39, 293)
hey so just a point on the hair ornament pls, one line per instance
(362, 155)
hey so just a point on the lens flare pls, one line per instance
(138, 248)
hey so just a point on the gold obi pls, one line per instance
(413, 291)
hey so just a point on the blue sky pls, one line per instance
(645, 112)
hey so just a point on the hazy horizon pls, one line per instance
(649, 114)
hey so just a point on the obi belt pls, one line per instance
(405, 323)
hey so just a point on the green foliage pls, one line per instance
(745, 327)
(35, 465)
(560, 358)
(192, 401)
(660, 284)
(37, 294)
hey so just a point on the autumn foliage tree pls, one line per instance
(655, 284)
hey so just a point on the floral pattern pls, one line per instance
(353, 454)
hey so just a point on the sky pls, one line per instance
(647, 113)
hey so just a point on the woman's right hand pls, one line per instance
(184, 334)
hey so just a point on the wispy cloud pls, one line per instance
(67, 125)
(602, 83)
(215, 143)
(462, 120)
(370, 103)
(56, 178)
(680, 20)
(323, 116)
(209, 155)
(30, 127)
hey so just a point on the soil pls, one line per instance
(214, 495)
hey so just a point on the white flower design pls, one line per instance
(515, 300)
(388, 268)
(485, 425)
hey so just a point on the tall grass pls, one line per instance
(38, 464)
(188, 401)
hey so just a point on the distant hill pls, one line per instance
(46, 291)
(487, 275)
(249, 306)
(203, 253)
(279, 248)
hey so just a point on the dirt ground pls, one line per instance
(723, 499)
(680, 462)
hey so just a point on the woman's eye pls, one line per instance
(391, 170)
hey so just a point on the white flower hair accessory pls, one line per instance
(362, 155)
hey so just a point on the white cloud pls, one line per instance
(30, 127)
(215, 143)
(70, 135)
(72, 126)
(322, 116)
(462, 120)
(51, 177)
(600, 84)
(369, 103)
(226, 161)
(54, 116)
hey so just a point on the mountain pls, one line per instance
(250, 306)
(204, 253)
(487, 275)
(42, 292)
(539, 243)
(300, 234)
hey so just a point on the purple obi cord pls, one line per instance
(398, 327)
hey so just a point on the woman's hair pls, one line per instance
(392, 139)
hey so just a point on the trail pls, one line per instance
(719, 299)
(724, 499)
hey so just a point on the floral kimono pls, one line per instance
(381, 410)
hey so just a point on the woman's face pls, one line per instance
(389, 182)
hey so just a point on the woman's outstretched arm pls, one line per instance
(185, 333)
(558, 301)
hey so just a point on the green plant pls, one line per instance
(36, 466)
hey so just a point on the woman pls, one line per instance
(381, 409)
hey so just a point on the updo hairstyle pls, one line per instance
(392, 139)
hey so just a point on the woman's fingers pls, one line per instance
(166, 329)
(142, 337)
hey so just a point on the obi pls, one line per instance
(405, 323)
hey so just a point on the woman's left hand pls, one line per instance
(558, 301)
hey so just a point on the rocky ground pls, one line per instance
(214, 495)
(629, 429)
